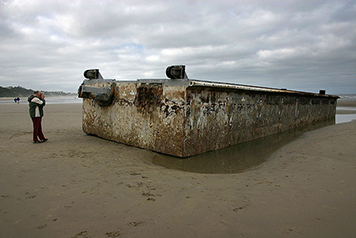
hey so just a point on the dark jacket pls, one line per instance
(36, 106)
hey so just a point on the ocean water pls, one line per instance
(63, 100)
(342, 118)
(347, 97)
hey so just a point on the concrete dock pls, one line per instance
(183, 117)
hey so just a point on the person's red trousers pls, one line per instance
(37, 128)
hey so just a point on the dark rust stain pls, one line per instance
(149, 96)
(170, 110)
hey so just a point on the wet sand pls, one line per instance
(77, 185)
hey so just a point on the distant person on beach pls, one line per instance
(17, 100)
(36, 104)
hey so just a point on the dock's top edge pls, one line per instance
(200, 83)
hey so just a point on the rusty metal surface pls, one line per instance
(200, 83)
(102, 95)
(219, 118)
(183, 120)
(183, 117)
(145, 115)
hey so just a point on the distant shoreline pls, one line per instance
(47, 96)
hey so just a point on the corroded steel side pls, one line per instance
(189, 119)
(146, 115)
(220, 118)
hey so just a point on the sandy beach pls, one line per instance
(79, 186)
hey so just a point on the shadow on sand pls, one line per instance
(237, 158)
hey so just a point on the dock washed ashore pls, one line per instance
(184, 117)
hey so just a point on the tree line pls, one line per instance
(19, 91)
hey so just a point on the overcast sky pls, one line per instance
(300, 45)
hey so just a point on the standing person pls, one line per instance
(36, 104)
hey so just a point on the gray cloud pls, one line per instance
(300, 45)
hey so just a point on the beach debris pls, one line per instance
(184, 117)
